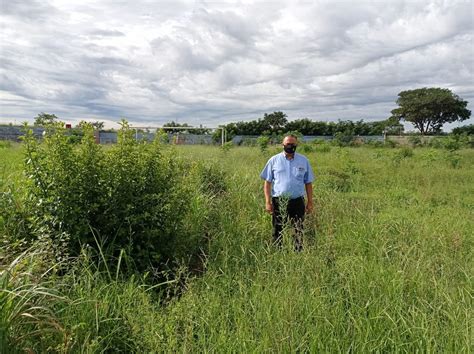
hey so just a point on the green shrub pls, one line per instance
(415, 141)
(390, 143)
(436, 143)
(305, 148)
(322, 147)
(454, 159)
(343, 139)
(406, 152)
(262, 142)
(339, 181)
(134, 196)
(375, 143)
(452, 143)
(227, 146)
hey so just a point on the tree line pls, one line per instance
(277, 123)
(427, 109)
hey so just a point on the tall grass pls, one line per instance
(26, 300)
(387, 266)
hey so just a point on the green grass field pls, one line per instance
(387, 266)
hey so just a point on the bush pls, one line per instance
(262, 142)
(306, 148)
(375, 143)
(405, 152)
(343, 139)
(134, 196)
(452, 144)
(436, 143)
(390, 143)
(339, 181)
(415, 141)
(227, 146)
(454, 159)
(322, 147)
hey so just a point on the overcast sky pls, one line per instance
(205, 62)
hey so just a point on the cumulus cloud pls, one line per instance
(213, 63)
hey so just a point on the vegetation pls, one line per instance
(45, 119)
(386, 265)
(173, 124)
(276, 123)
(429, 108)
(467, 129)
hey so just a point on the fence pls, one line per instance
(13, 133)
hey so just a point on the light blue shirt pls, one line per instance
(288, 177)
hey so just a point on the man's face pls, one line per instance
(290, 140)
(289, 145)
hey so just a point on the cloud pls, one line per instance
(212, 63)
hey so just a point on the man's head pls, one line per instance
(289, 143)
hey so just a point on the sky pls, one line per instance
(215, 62)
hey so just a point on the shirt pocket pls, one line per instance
(299, 172)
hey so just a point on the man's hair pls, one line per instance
(290, 136)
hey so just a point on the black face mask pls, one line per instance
(289, 148)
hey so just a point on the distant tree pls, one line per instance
(392, 126)
(43, 119)
(466, 129)
(276, 120)
(84, 125)
(429, 108)
(174, 124)
(98, 125)
(305, 126)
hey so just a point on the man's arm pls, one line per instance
(309, 195)
(267, 190)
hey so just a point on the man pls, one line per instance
(288, 176)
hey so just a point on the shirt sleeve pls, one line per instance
(309, 176)
(267, 173)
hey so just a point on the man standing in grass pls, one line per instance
(288, 176)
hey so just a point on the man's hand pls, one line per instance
(309, 206)
(269, 207)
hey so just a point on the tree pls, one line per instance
(98, 125)
(43, 119)
(429, 108)
(466, 129)
(173, 124)
(276, 120)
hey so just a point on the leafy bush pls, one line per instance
(390, 143)
(437, 143)
(134, 196)
(375, 143)
(227, 146)
(339, 181)
(415, 141)
(454, 159)
(405, 152)
(323, 147)
(262, 142)
(452, 144)
(306, 148)
(343, 139)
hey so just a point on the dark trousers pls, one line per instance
(285, 210)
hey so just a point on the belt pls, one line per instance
(280, 197)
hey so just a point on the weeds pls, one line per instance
(386, 264)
